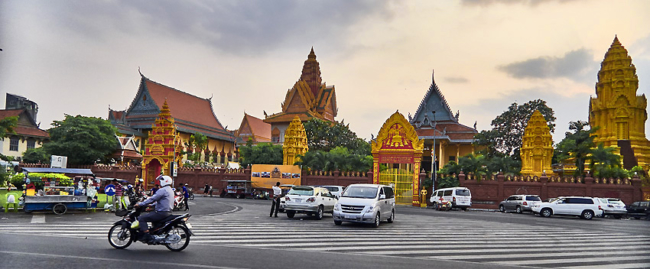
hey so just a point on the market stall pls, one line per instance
(57, 190)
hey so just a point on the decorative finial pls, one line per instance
(616, 42)
(312, 55)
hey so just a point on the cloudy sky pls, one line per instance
(80, 57)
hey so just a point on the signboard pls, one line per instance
(59, 161)
(395, 159)
(109, 190)
(174, 171)
(266, 175)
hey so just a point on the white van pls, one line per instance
(460, 197)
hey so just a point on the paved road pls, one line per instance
(419, 237)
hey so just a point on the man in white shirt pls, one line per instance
(277, 193)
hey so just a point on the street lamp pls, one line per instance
(433, 155)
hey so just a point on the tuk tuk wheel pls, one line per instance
(59, 209)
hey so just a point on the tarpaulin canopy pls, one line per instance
(59, 170)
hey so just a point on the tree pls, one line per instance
(262, 153)
(82, 139)
(7, 126)
(576, 145)
(325, 135)
(508, 128)
(198, 142)
(36, 155)
(339, 158)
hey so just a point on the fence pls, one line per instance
(489, 191)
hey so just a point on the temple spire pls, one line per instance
(616, 42)
(311, 73)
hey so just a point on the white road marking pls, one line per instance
(37, 218)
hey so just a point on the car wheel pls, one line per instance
(338, 222)
(392, 217)
(637, 217)
(587, 214)
(518, 210)
(618, 216)
(319, 214)
(290, 214)
(377, 221)
(502, 209)
(546, 212)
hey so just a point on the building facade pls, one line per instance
(27, 132)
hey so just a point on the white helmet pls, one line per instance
(165, 181)
(141, 180)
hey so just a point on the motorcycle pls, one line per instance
(179, 201)
(174, 232)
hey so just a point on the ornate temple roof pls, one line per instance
(309, 97)
(26, 125)
(192, 114)
(445, 122)
(253, 127)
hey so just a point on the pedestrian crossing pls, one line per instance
(421, 237)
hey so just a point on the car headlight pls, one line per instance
(369, 209)
(337, 207)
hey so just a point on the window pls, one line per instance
(452, 158)
(389, 192)
(462, 192)
(447, 193)
(31, 143)
(533, 198)
(13, 144)
(381, 192)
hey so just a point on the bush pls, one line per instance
(18, 180)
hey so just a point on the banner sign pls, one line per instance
(266, 175)
(395, 159)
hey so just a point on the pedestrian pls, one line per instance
(206, 189)
(277, 192)
(211, 189)
(117, 201)
(186, 195)
(154, 189)
(139, 186)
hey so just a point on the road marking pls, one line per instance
(574, 260)
(118, 260)
(38, 218)
(633, 250)
(610, 266)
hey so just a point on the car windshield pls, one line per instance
(302, 191)
(361, 192)
(463, 192)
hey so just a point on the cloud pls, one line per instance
(484, 3)
(456, 79)
(577, 65)
(238, 27)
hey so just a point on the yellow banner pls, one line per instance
(266, 175)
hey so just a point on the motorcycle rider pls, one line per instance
(163, 209)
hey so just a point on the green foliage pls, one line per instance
(4, 176)
(198, 142)
(36, 155)
(447, 177)
(604, 157)
(325, 136)
(262, 153)
(577, 144)
(18, 180)
(49, 175)
(478, 165)
(607, 171)
(82, 139)
(7, 126)
(339, 158)
(508, 129)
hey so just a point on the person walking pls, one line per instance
(186, 195)
(206, 189)
(277, 193)
(119, 189)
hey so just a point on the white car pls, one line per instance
(309, 200)
(365, 203)
(335, 190)
(583, 207)
(460, 197)
(613, 207)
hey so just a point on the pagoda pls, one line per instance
(617, 111)
(160, 147)
(537, 147)
(295, 142)
(441, 130)
(309, 98)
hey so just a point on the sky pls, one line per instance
(80, 57)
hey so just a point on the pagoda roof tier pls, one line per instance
(191, 113)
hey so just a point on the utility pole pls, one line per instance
(433, 155)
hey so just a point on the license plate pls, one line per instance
(350, 217)
(298, 200)
(189, 225)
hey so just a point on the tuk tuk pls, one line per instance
(237, 188)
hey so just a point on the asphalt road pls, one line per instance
(235, 233)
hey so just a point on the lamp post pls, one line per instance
(433, 155)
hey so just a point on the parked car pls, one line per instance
(613, 207)
(584, 207)
(639, 210)
(365, 203)
(335, 190)
(309, 200)
(519, 203)
(460, 197)
(285, 189)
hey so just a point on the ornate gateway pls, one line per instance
(396, 159)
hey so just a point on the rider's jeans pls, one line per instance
(152, 217)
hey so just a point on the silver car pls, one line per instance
(613, 207)
(309, 200)
(519, 203)
(365, 203)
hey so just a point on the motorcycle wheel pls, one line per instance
(181, 206)
(191, 196)
(119, 237)
(185, 238)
